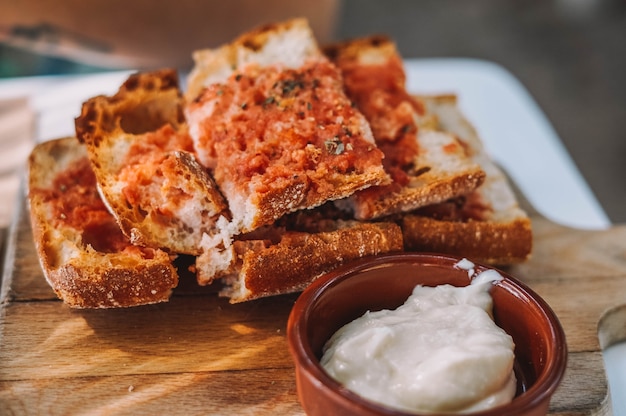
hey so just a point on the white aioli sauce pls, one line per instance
(439, 352)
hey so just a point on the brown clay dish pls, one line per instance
(385, 282)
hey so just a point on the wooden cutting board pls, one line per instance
(198, 354)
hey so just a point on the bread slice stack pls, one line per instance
(280, 161)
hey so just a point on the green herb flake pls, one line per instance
(334, 146)
(407, 128)
(290, 85)
(269, 100)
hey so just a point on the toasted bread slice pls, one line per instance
(487, 224)
(84, 256)
(271, 121)
(279, 260)
(426, 166)
(143, 159)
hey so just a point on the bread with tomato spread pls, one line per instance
(279, 163)
(147, 172)
(426, 165)
(270, 120)
(486, 224)
(84, 256)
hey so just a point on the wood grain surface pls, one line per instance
(197, 354)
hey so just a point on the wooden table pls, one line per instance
(198, 354)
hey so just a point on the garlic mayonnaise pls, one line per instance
(439, 352)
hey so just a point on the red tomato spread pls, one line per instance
(146, 167)
(76, 203)
(273, 123)
(152, 145)
(378, 90)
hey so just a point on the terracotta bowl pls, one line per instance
(385, 282)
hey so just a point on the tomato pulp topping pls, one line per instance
(147, 166)
(76, 203)
(273, 122)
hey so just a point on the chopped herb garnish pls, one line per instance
(238, 77)
(269, 100)
(244, 106)
(406, 128)
(309, 106)
(334, 146)
(220, 92)
(291, 84)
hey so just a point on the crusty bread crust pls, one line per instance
(82, 274)
(143, 103)
(439, 167)
(147, 174)
(262, 269)
(488, 242)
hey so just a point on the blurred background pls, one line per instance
(569, 54)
